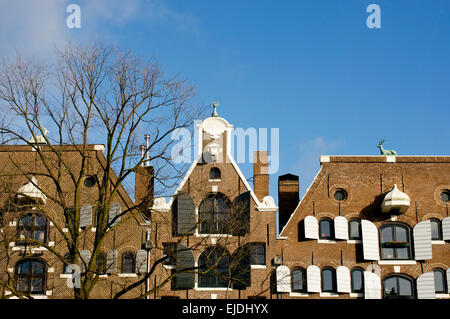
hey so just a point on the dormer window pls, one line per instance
(214, 174)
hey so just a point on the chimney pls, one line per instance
(288, 198)
(144, 180)
(261, 174)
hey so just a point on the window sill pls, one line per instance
(258, 266)
(214, 235)
(65, 276)
(397, 262)
(128, 275)
(437, 242)
(354, 241)
(356, 294)
(214, 180)
(442, 296)
(169, 266)
(329, 294)
(212, 289)
(298, 294)
(326, 241)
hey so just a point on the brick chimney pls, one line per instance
(144, 187)
(288, 198)
(261, 174)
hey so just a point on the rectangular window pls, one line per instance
(258, 254)
(169, 250)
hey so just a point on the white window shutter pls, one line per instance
(343, 279)
(370, 240)
(425, 286)
(85, 215)
(85, 255)
(313, 278)
(114, 210)
(422, 241)
(372, 285)
(446, 228)
(283, 276)
(341, 228)
(311, 227)
(141, 261)
(111, 261)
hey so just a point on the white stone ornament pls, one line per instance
(31, 190)
(395, 201)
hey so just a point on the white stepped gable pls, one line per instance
(395, 201)
(31, 190)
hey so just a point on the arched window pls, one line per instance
(214, 173)
(354, 229)
(32, 226)
(440, 281)
(299, 280)
(214, 212)
(30, 276)
(357, 277)
(214, 268)
(326, 228)
(395, 241)
(436, 229)
(398, 287)
(128, 263)
(66, 268)
(328, 280)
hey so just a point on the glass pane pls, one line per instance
(404, 287)
(40, 221)
(38, 267)
(386, 234)
(357, 280)
(37, 285)
(327, 278)
(355, 229)
(402, 253)
(387, 253)
(297, 280)
(325, 229)
(435, 230)
(39, 235)
(401, 234)
(26, 220)
(24, 268)
(23, 284)
(390, 286)
(439, 281)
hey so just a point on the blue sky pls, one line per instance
(313, 69)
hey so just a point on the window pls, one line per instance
(340, 195)
(395, 241)
(128, 263)
(214, 268)
(33, 227)
(214, 212)
(357, 277)
(440, 281)
(445, 196)
(436, 229)
(66, 268)
(169, 251)
(214, 173)
(398, 287)
(328, 280)
(101, 264)
(299, 280)
(258, 254)
(326, 229)
(90, 181)
(30, 276)
(354, 229)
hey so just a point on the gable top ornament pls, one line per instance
(39, 139)
(214, 105)
(383, 151)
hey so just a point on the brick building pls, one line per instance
(367, 227)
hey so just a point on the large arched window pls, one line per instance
(357, 277)
(326, 228)
(328, 280)
(214, 268)
(299, 280)
(440, 281)
(214, 212)
(32, 226)
(354, 229)
(128, 263)
(398, 287)
(30, 276)
(395, 241)
(436, 229)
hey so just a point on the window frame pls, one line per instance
(31, 229)
(394, 244)
(398, 277)
(444, 280)
(215, 174)
(254, 254)
(354, 270)
(216, 219)
(333, 280)
(302, 271)
(350, 222)
(29, 277)
(133, 262)
(213, 278)
(332, 232)
(439, 228)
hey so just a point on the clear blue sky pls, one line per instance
(311, 68)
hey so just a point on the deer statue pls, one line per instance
(383, 151)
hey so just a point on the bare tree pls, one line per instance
(92, 94)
